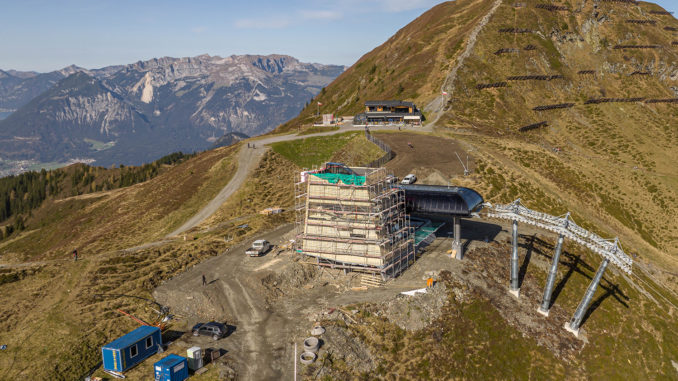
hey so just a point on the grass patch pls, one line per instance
(317, 129)
(305, 153)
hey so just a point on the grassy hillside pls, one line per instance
(611, 162)
(66, 308)
(411, 65)
(21, 194)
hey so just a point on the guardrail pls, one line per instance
(388, 155)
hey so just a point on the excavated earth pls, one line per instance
(272, 302)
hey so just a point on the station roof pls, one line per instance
(390, 103)
(170, 361)
(132, 337)
(440, 199)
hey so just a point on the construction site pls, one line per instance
(353, 219)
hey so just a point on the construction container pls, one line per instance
(131, 349)
(171, 368)
(194, 355)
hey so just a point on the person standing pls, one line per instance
(204, 280)
(75, 255)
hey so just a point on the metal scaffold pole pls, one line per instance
(550, 281)
(515, 287)
(573, 325)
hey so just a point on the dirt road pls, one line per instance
(248, 159)
(261, 334)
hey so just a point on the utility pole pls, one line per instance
(295, 361)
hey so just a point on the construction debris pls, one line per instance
(273, 210)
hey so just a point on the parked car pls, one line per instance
(213, 329)
(390, 179)
(259, 247)
(409, 179)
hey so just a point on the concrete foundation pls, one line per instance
(568, 328)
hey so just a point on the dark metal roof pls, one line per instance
(133, 337)
(389, 103)
(170, 361)
(440, 199)
(381, 114)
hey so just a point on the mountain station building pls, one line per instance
(389, 112)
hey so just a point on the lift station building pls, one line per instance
(356, 218)
(353, 219)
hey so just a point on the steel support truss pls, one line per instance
(609, 249)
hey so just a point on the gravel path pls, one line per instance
(248, 159)
(470, 44)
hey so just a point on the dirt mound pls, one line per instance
(339, 352)
(287, 279)
(416, 312)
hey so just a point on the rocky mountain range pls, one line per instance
(136, 113)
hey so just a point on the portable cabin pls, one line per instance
(131, 349)
(171, 368)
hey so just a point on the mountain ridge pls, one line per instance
(150, 108)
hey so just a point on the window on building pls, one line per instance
(133, 351)
(149, 342)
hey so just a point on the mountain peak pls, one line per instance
(68, 70)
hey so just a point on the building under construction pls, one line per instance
(353, 219)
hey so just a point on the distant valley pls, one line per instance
(135, 113)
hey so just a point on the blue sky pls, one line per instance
(47, 35)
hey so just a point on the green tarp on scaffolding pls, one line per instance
(424, 231)
(333, 178)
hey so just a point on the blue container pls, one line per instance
(171, 368)
(131, 349)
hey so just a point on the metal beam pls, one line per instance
(548, 290)
(514, 288)
(550, 281)
(573, 325)
(607, 248)
(457, 247)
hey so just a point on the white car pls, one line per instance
(258, 248)
(409, 179)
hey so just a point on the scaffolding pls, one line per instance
(353, 219)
